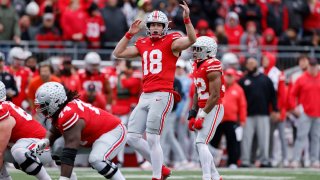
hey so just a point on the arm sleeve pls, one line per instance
(294, 94)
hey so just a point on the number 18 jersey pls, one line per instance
(158, 62)
(201, 80)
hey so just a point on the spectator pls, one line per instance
(220, 34)
(47, 31)
(313, 42)
(9, 26)
(233, 28)
(144, 9)
(278, 79)
(69, 76)
(269, 41)
(230, 60)
(234, 101)
(221, 8)
(237, 6)
(90, 95)
(174, 14)
(202, 29)
(252, 12)
(260, 94)
(115, 21)
(8, 80)
(73, 22)
(31, 63)
(129, 9)
(297, 11)
(250, 39)
(311, 22)
(277, 16)
(25, 23)
(45, 75)
(95, 27)
(306, 92)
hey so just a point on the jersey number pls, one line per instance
(81, 106)
(201, 88)
(21, 112)
(155, 57)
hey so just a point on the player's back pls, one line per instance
(97, 121)
(202, 82)
(25, 127)
(158, 62)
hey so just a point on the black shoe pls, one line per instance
(268, 165)
(244, 166)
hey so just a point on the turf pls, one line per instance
(247, 174)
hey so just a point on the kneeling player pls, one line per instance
(207, 110)
(18, 128)
(81, 124)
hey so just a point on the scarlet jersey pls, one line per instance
(111, 74)
(97, 121)
(21, 76)
(25, 127)
(71, 82)
(158, 62)
(98, 80)
(95, 27)
(202, 83)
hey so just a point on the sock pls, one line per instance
(118, 176)
(156, 154)
(139, 144)
(206, 160)
(4, 175)
(43, 174)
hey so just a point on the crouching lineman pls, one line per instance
(80, 124)
(207, 110)
(18, 128)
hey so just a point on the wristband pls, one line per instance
(186, 20)
(202, 114)
(128, 35)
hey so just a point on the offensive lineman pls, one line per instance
(15, 128)
(80, 124)
(159, 52)
(207, 110)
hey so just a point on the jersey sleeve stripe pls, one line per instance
(4, 116)
(67, 122)
(214, 69)
(72, 123)
(217, 66)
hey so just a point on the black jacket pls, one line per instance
(9, 82)
(260, 94)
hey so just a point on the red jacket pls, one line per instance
(306, 91)
(73, 22)
(273, 42)
(233, 34)
(312, 21)
(235, 104)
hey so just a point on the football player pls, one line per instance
(19, 135)
(207, 109)
(21, 73)
(92, 74)
(159, 52)
(80, 124)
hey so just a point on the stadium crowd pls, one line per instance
(266, 112)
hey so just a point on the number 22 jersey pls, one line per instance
(201, 80)
(158, 62)
(97, 121)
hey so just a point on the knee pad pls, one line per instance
(105, 168)
(30, 160)
(133, 138)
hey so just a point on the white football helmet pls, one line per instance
(157, 17)
(49, 97)
(205, 47)
(3, 92)
(17, 53)
(230, 60)
(92, 59)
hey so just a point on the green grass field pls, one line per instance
(241, 174)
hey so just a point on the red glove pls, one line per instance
(198, 123)
(191, 124)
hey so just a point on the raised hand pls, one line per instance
(186, 10)
(135, 27)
